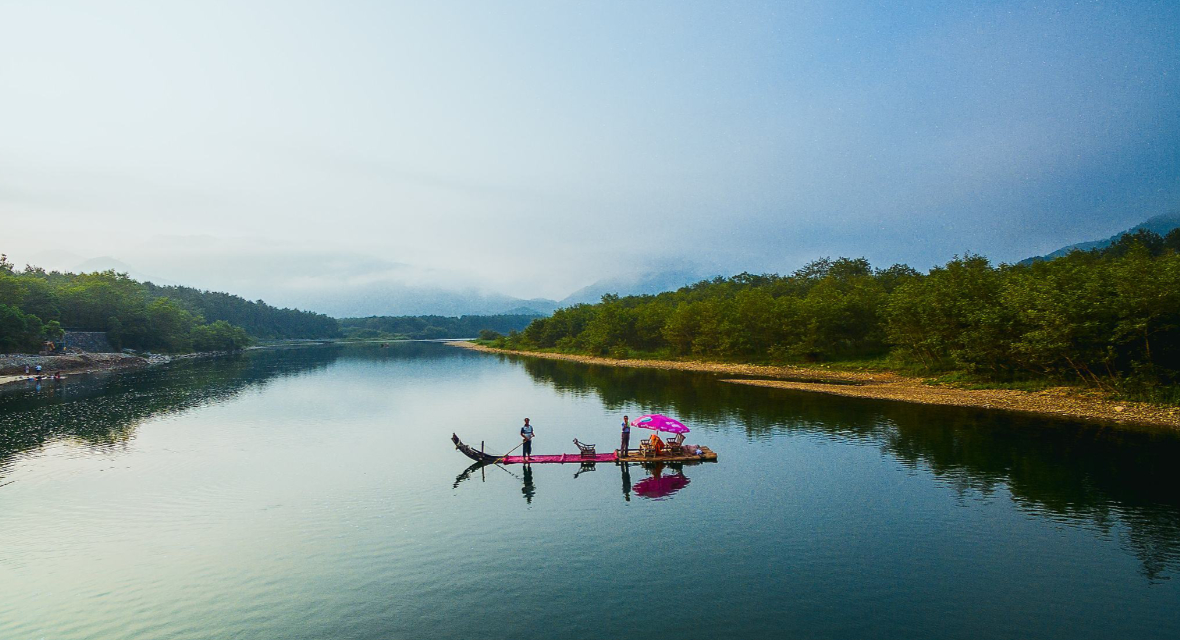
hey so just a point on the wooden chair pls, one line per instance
(646, 450)
(586, 450)
(673, 447)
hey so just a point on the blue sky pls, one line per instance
(533, 148)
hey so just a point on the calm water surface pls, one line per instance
(314, 493)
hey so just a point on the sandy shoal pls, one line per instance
(1068, 402)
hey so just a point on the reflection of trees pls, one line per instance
(1083, 473)
(105, 411)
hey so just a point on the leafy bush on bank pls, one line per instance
(1109, 319)
(35, 305)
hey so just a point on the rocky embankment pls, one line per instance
(12, 367)
(1068, 402)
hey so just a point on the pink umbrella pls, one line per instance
(657, 422)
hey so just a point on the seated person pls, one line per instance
(657, 444)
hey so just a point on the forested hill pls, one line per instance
(1109, 318)
(1160, 225)
(36, 305)
(434, 327)
(259, 319)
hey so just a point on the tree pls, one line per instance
(16, 330)
(1172, 240)
(952, 318)
(1147, 330)
(680, 328)
(1148, 240)
(219, 336)
(1063, 316)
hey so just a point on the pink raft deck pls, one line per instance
(562, 458)
(706, 455)
(481, 456)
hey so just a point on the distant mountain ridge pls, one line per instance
(388, 296)
(376, 299)
(394, 299)
(1160, 224)
(643, 284)
(433, 327)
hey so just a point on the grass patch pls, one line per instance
(1166, 395)
(964, 380)
(880, 364)
(1018, 385)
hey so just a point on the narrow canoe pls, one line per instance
(480, 456)
(470, 452)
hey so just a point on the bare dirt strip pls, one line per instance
(1068, 402)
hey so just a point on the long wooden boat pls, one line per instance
(471, 452)
(706, 455)
(480, 456)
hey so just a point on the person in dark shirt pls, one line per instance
(526, 432)
(625, 444)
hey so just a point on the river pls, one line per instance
(314, 493)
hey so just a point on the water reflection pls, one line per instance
(664, 479)
(104, 410)
(463, 477)
(626, 481)
(1083, 473)
(529, 489)
(660, 485)
(1114, 481)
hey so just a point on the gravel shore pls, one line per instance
(12, 366)
(1069, 402)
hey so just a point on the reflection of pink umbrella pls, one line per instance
(660, 486)
(657, 422)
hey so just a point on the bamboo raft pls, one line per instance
(706, 455)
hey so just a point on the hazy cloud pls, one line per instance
(533, 149)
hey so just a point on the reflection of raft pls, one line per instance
(706, 455)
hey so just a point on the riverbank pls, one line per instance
(12, 366)
(1068, 402)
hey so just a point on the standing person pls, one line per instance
(625, 443)
(526, 432)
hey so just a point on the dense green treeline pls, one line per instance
(258, 318)
(1109, 318)
(35, 306)
(433, 327)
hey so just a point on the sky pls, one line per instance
(284, 150)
